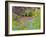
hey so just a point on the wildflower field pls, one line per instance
(25, 18)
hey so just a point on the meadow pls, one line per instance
(25, 18)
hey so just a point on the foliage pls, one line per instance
(34, 24)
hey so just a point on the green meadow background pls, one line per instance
(29, 21)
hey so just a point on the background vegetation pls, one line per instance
(25, 18)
